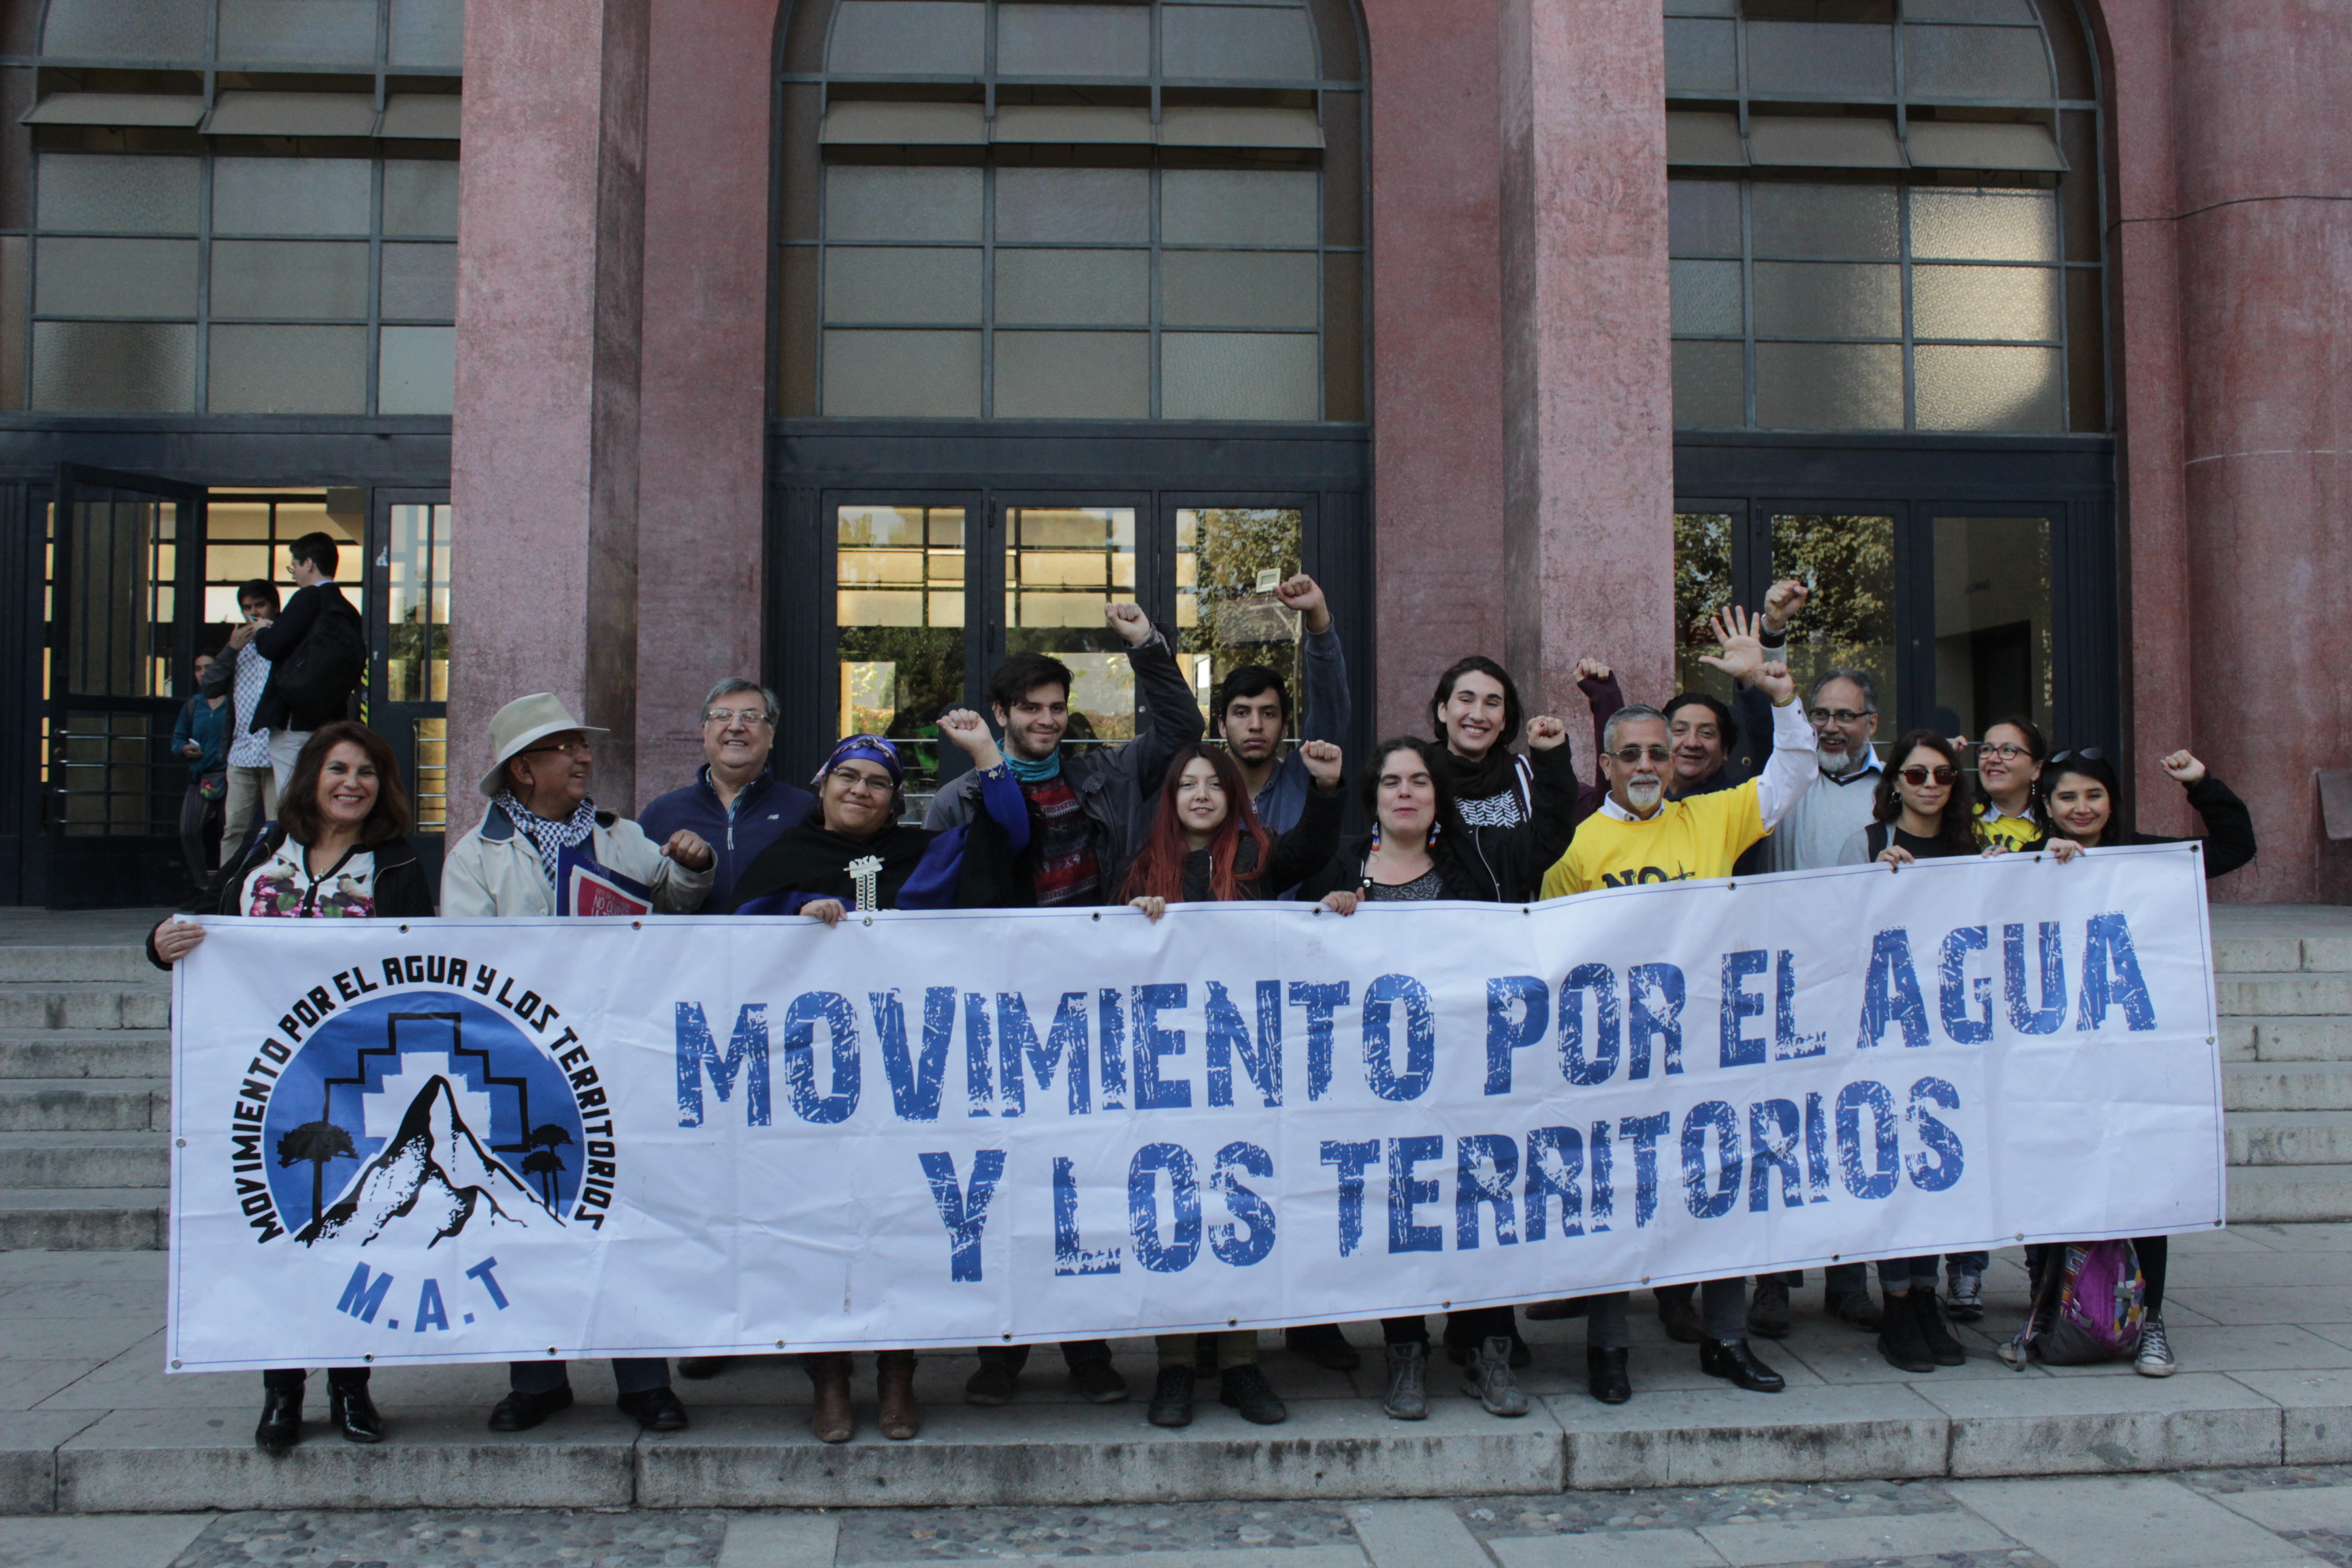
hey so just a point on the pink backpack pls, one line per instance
(2088, 1308)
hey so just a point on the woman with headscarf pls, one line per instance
(813, 870)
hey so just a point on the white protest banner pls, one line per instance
(478, 1140)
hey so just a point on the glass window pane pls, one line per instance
(1702, 57)
(1710, 386)
(1977, 62)
(1073, 375)
(1820, 59)
(1984, 226)
(885, 202)
(115, 278)
(1987, 388)
(1237, 375)
(901, 285)
(1828, 386)
(1073, 288)
(1236, 42)
(907, 37)
(919, 374)
(1073, 206)
(1702, 218)
(420, 282)
(1702, 586)
(287, 370)
(2018, 11)
(334, 32)
(126, 29)
(428, 32)
(290, 195)
(2013, 303)
(416, 371)
(1827, 300)
(420, 198)
(290, 277)
(898, 604)
(1992, 622)
(1237, 289)
(1231, 207)
(1855, 221)
(1848, 562)
(1074, 40)
(114, 367)
(1228, 560)
(120, 195)
(1707, 302)
(1062, 565)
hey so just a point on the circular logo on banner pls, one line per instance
(410, 1119)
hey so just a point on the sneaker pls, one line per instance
(1768, 1312)
(992, 1384)
(1325, 1346)
(1172, 1399)
(1964, 1295)
(1488, 1374)
(2154, 1358)
(1939, 1341)
(1098, 1383)
(1407, 1399)
(1853, 1307)
(1246, 1390)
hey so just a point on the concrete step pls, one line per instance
(85, 1053)
(98, 1005)
(2276, 995)
(2261, 1087)
(84, 1105)
(2290, 1138)
(2286, 1193)
(2287, 1038)
(85, 1160)
(2237, 954)
(77, 964)
(81, 1219)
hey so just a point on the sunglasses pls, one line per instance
(1917, 777)
(1633, 754)
(2087, 754)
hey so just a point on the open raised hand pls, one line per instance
(1743, 652)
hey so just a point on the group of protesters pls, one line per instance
(1692, 788)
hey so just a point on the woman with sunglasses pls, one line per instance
(2009, 768)
(808, 871)
(2081, 797)
(1924, 811)
(1205, 845)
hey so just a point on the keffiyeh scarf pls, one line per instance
(551, 839)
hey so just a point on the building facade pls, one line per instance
(859, 343)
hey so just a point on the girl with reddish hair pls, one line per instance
(1205, 845)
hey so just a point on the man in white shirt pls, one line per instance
(241, 671)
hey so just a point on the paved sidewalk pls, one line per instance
(2240, 1518)
(2262, 1319)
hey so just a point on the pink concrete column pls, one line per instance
(2266, 239)
(702, 442)
(545, 460)
(1588, 401)
(1437, 323)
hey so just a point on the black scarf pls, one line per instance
(811, 858)
(1489, 775)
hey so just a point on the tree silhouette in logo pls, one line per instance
(316, 1142)
(542, 1160)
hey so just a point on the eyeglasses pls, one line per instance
(563, 748)
(2004, 750)
(1633, 754)
(735, 716)
(2087, 754)
(1839, 715)
(1915, 777)
(850, 778)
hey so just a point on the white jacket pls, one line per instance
(495, 870)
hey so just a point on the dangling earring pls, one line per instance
(1434, 829)
(1376, 835)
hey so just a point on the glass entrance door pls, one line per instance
(408, 655)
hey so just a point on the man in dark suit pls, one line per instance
(311, 564)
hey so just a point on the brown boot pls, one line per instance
(894, 1382)
(830, 1417)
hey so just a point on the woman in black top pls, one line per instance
(340, 849)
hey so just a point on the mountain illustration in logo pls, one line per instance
(431, 1181)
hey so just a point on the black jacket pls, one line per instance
(1311, 843)
(2229, 828)
(282, 637)
(402, 891)
(1484, 865)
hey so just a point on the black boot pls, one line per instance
(1246, 1390)
(1899, 1339)
(281, 1413)
(352, 1412)
(1853, 1307)
(519, 1412)
(1172, 1400)
(1325, 1346)
(1733, 1360)
(1605, 1374)
(1939, 1340)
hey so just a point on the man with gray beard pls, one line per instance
(1843, 708)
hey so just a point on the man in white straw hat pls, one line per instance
(508, 867)
(542, 761)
